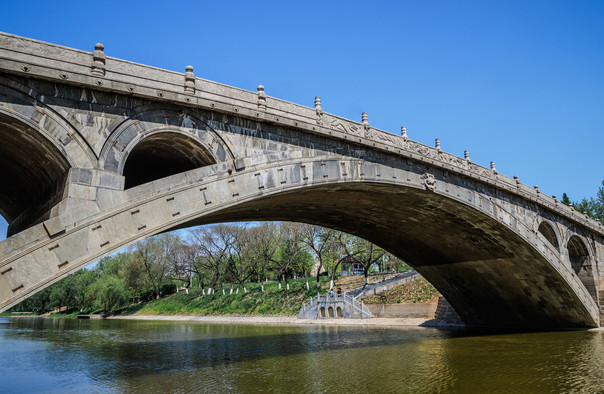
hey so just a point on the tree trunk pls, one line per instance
(214, 280)
(306, 281)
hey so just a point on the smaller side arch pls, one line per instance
(550, 234)
(33, 109)
(163, 153)
(581, 263)
(143, 124)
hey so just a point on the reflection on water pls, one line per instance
(129, 356)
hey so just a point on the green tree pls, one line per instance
(113, 265)
(565, 199)
(593, 207)
(109, 293)
(135, 278)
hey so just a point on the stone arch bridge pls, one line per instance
(97, 153)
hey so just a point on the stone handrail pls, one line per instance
(326, 298)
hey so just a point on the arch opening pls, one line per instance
(473, 260)
(32, 174)
(580, 262)
(548, 232)
(3, 228)
(163, 154)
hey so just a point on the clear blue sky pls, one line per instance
(517, 82)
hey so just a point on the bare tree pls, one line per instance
(183, 264)
(241, 259)
(263, 248)
(336, 253)
(320, 240)
(290, 250)
(155, 254)
(365, 252)
(214, 245)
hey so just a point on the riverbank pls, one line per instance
(284, 320)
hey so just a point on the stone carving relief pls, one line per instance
(386, 137)
(453, 160)
(320, 118)
(423, 150)
(429, 181)
(346, 127)
(480, 170)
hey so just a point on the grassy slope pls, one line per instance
(270, 302)
(255, 302)
(418, 291)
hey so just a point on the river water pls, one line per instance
(60, 355)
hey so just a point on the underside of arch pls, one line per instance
(163, 154)
(32, 173)
(489, 274)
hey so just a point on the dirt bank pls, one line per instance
(280, 320)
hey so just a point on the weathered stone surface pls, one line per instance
(99, 155)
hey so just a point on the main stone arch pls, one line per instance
(491, 270)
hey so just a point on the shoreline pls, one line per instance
(393, 322)
(287, 320)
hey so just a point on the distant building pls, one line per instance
(313, 270)
(352, 266)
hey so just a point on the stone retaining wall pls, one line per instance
(402, 310)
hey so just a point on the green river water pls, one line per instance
(59, 355)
